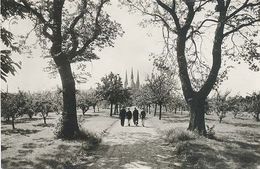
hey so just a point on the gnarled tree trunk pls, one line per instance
(69, 127)
(197, 115)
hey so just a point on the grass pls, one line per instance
(33, 145)
(232, 145)
(175, 135)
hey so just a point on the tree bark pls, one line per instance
(70, 126)
(197, 115)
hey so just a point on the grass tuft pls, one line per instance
(176, 135)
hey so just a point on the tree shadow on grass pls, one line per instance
(65, 156)
(44, 125)
(19, 131)
(12, 163)
(20, 120)
(172, 120)
(250, 125)
(233, 154)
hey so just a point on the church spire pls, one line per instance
(126, 80)
(137, 85)
(132, 79)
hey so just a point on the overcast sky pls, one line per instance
(130, 51)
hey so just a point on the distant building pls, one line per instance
(133, 85)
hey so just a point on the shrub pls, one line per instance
(211, 132)
(91, 138)
(176, 135)
(182, 147)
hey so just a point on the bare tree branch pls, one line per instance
(240, 27)
(96, 30)
(40, 17)
(172, 12)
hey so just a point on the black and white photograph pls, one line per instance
(130, 84)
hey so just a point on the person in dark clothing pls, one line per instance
(122, 116)
(128, 116)
(135, 116)
(142, 116)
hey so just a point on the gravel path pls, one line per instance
(132, 147)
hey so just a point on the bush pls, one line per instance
(91, 138)
(176, 135)
(211, 132)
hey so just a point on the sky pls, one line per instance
(131, 51)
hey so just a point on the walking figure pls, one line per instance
(128, 116)
(135, 116)
(142, 115)
(122, 116)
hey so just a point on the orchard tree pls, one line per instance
(160, 87)
(57, 100)
(94, 98)
(232, 27)
(111, 88)
(220, 105)
(29, 106)
(253, 102)
(71, 31)
(12, 105)
(43, 104)
(83, 101)
(143, 97)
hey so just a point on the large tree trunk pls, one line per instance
(160, 113)
(197, 116)
(70, 126)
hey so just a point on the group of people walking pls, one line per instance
(128, 114)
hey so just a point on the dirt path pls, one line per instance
(131, 147)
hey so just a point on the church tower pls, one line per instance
(126, 80)
(132, 79)
(137, 85)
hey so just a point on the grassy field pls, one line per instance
(236, 143)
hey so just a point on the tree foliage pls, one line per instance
(12, 105)
(161, 87)
(232, 27)
(71, 31)
(9, 10)
(111, 89)
(253, 105)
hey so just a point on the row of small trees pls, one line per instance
(223, 103)
(14, 105)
